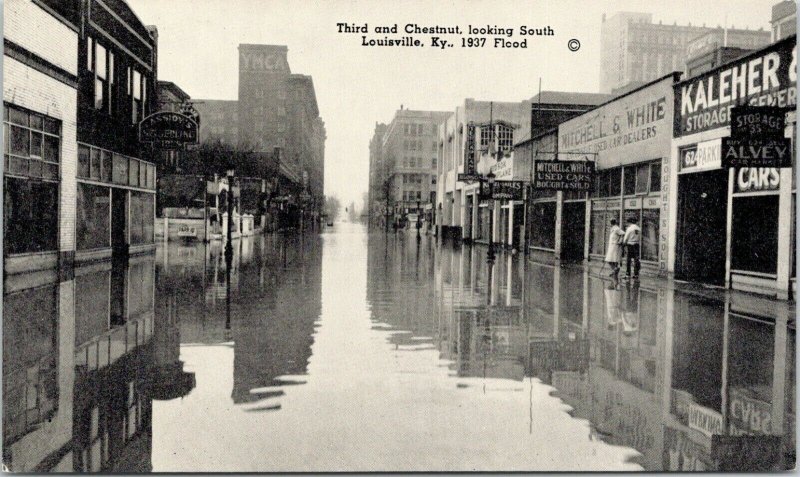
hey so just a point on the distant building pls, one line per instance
(784, 19)
(634, 50)
(721, 45)
(277, 116)
(408, 149)
(378, 195)
(173, 99)
(550, 108)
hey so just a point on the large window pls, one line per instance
(754, 244)
(93, 217)
(543, 224)
(32, 146)
(142, 217)
(30, 220)
(642, 178)
(32, 153)
(505, 138)
(650, 231)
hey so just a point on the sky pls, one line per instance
(357, 86)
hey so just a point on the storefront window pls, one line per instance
(543, 224)
(614, 181)
(120, 171)
(655, 177)
(93, 217)
(30, 220)
(142, 217)
(754, 243)
(650, 229)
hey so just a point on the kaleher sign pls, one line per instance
(168, 130)
(767, 77)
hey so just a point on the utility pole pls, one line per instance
(229, 244)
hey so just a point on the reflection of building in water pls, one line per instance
(77, 356)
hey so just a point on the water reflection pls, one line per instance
(344, 351)
(80, 364)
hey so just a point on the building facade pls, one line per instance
(220, 120)
(378, 196)
(784, 19)
(40, 84)
(629, 140)
(634, 50)
(733, 227)
(406, 184)
(721, 45)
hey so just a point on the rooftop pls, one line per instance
(567, 97)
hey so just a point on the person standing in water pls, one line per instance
(614, 248)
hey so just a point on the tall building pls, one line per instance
(277, 116)
(634, 50)
(378, 174)
(718, 46)
(784, 19)
(408, 154)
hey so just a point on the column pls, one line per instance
(559, 207)
(784, 234)
(475, 211)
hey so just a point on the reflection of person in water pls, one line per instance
(612, 296)
(630, 313)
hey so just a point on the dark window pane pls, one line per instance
(52, 149)
(53, 126)
(18, 166)
(36, 144)
(142, 174)
(754, 244)
(83, 161)
(95, 164)
(650, 227)
(614, 184)
(36, 122)
(120, 171)
(543, 224)
(92, 225)
(49, 171)
(99, 90)
(45, 210)
(133, 174)
(35, 168)
(17, 116)
(31, 216)
(630, 180)
(597, 229)
(5, 138)
(106, 163)
(655, 177)
(151, 177)
(642, 176)
(20, 141)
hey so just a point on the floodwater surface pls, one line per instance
(356, 351)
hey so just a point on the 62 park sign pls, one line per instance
(168, 130)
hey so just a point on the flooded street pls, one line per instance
(370, 352)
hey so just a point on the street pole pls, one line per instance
(419, 224)
(490, 253)
(229, 244)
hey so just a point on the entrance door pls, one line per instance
(119, 222)
(573, 228)
(519, 221)
(702, 198)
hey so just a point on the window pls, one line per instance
(655, 177)
(30, 215)
(754, 244)
(419, 129)
(405, 145)
(100, 75)
(486, 135)
(92, 227)
(136, 96)
(433, 163)
(505, 138)
(650, 230)
(33, 144)
(405, 129)
(111, 82)
(543, 224)
(89, 54)
(433, 146)
(412, 162)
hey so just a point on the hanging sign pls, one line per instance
(756, 152)
(564, 175)
(168, 130)
(503, 190)
(469, 150)
(758, 122)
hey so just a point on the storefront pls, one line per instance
(629, 139)
(753, 206)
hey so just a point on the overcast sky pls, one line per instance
(357, 86)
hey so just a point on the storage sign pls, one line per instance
(758, 122)
(765, 78)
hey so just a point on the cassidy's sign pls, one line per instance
(765, 78)
(168, 128)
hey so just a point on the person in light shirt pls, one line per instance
(631, 241)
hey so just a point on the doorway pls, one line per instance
(518, 226)
(119, 222)
(573, 228)
(702, 208)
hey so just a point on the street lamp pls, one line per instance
(229, 244)
(419, 224)
(490, 253)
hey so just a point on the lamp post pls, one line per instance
(229, 244)
(490, 253)
(419, 224)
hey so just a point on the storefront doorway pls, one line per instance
(701, 229)
(573, 227)
(519, 226)
(119, 222)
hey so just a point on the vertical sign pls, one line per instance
(469, 150)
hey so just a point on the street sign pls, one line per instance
(758, 122)
(469, 151)
(756, 152)
(466, 177)
(168, 129)
(502, 190)
(564, 175)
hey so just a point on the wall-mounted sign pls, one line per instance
(765, 78)
(746, 152)
(758, 122)
(750, 179)
(168, 129)
(469, 177)
(748, 413)
(564, 175)
(469, 149)
(502, 190)
(702, 157)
